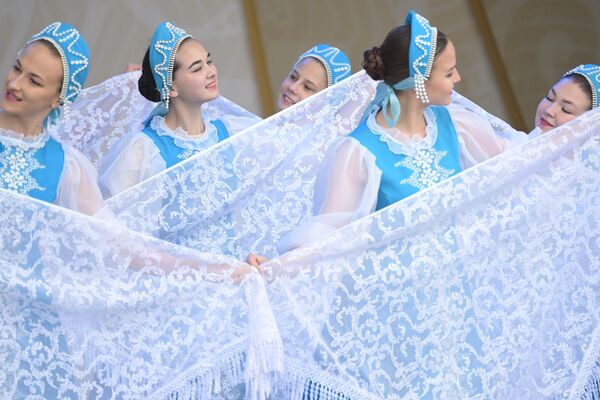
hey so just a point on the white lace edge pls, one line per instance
(12, 138)
(297, 373)
(229, 365)
(181, 137)
(400, 143)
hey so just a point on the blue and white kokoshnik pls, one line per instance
(163, 49)
(421, 53)
(336, 62)
(75, 58)
(591, 72)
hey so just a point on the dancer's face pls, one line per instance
(565, 101)
(32, 85)
(306, 78)
(443, 77)
(195, 79)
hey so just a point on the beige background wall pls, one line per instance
(540, 40)
(536, 40)
(119, 31)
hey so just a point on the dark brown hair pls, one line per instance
(146, 83)
(389, 62)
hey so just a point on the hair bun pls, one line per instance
(146, 84)
(373, 63)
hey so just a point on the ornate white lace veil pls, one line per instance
(104, 113)
(481, 285)
(484, 285)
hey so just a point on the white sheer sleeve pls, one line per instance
(78, 188)
(132, 160)
(345, 190)
(237, 123)
(477, 138)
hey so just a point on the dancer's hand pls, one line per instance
(240, 273)
(256, 260)
(133, 67)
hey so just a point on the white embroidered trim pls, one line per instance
(181, 137)
(400, 143)
(12, 138)
(16, 166)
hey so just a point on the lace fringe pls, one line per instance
(203, 384)
(587, 384)
(591, 388)
(266, 355)
(299, 382)
(256, 369)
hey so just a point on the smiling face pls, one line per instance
(195, 75)
(565, 101)
(306, 78)
(443, 77)
(32, 85)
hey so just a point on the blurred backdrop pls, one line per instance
(509, 51)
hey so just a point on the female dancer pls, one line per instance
(409, 138)
(575, 93)
(47, 75)
(177, 71)
(316, 69)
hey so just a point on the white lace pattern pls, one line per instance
(484, 285)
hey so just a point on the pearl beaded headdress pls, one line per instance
(163, 49)
(591, 72)
(75, 58)
(421, 53)
(423, 42)
(335, 61)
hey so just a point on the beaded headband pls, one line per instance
(421, 53)
(74, 55)
(591, 72)
(163, 49)
(335, 61)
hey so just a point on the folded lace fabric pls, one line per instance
(92, 310)
(483, 285)
(106, 112)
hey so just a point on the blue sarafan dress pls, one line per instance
(167, 145)
(375, 167)
(38, 165)
(42, 168)
(406, 171)
(142, 154)
(155, 147)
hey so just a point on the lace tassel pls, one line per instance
(591, 390)
(203, 385)
(300, 382)
(264, 363)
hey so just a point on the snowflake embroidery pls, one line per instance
(16, 166)
(426, 168)
(185, 154)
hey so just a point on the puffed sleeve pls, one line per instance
(237, 123)
(345, 190)
(78, 188)
(133, 159)
(477, 138)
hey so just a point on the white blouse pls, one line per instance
(77, 188)
(347, 184)
(135, 157)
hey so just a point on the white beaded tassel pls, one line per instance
(66, 112)
(420, 89)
